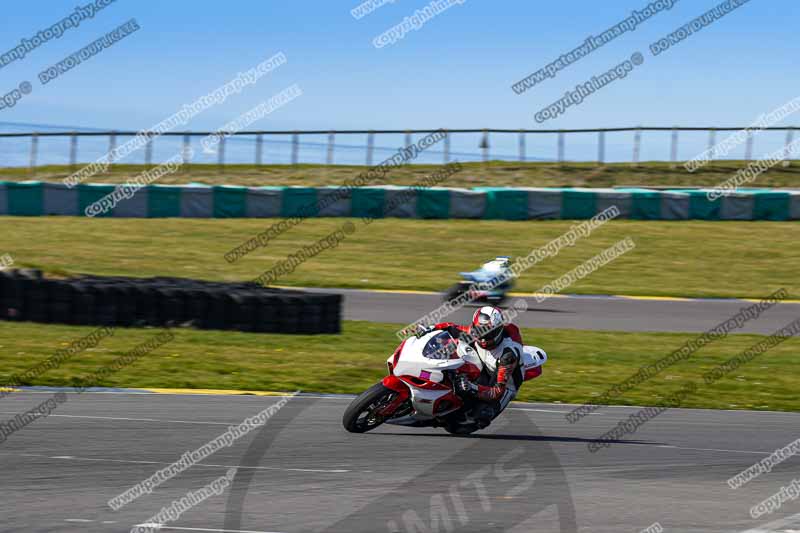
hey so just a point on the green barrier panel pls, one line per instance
(771, 206)
(645, 205)
(299, 201)
(505, 204)
(25, 199)
(433, 203)
(230, 202)
(701, 207)
(367, 202)
(89, 194)
(578, 204)
(498, 203)
(163, 201)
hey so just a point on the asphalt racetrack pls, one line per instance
(609, 313)
(530, 471)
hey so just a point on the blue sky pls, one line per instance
(455, 71)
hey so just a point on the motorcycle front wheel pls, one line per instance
(360, 417)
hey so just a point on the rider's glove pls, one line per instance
(453, 331)
(464, 387)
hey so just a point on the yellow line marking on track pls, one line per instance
(401, 291)
(662, 298)
(754, 300)
(533, 294)
(216, 391)
(396, 291)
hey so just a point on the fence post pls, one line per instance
(187, 142)
(712, 143)
(73, 150)
(112, 145)
(148, 150)
(673, 153)
(748, 148)
(370, 147)
(259, 149)
(601, 147)
(484, 146)
(295, 147)
(221, 152)
(34, 151)
(329, 157)
(787, 153)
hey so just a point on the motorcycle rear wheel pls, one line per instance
(461, 430)
(455, 291)
(359, 416)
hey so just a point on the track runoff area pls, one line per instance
(133, 461)
(140, 461)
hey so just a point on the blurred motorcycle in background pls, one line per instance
(489, 284)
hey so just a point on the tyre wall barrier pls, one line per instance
(224, 201)
(165, 302)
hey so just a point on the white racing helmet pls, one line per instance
(487, 327)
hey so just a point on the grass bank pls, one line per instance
(581, 366)
(689, 258)
(492, 173)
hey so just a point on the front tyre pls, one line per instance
(360, 415)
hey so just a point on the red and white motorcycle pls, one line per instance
(419, 389)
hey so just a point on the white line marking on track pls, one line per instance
(710, 449)
(81, 520)
(776, 526)
(198, 422)
(137, 419)
(321, 396)
(130, 461)
(550, 411)
(178, 528)
(350, 397)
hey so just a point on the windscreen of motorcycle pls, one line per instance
(440, 346)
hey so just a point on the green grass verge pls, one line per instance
(690, 258)
(582, 364)
(495, 173)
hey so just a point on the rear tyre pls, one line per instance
(461, 430)
(455, 291)
(360, 415)
(497, 301)
(458, 423)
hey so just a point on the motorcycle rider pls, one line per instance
(490, 283)
(499, 346)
